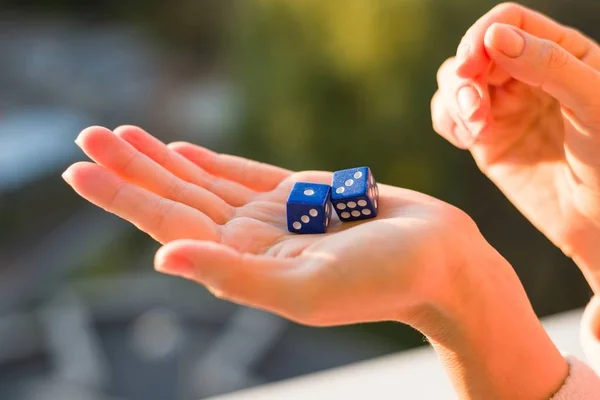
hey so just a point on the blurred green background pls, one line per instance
(306, 84)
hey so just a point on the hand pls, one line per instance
(523, 95)
(234, 209)
(421, 262)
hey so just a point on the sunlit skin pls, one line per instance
(422, 262)
(534, 127)
(234, 209)
(221, 218)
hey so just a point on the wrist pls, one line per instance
(487, 335)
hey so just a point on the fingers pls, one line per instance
(252, 174)
(545, 64)
(472, 52)
(163, 219)
(461, 107)
(443, 123)
(233, 193)
(110, 151)
(255, 280)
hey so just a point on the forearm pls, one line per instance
(499, 350)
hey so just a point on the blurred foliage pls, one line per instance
(335, 84)
(339, 83)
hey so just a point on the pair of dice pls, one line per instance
(353, 194)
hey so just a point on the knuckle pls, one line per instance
(176, 190)
(128, 164)
(208, 181)
(164, 157)
(569, 34)
(553, 56)
(573, 38)
(114, 200)
(162, 210)
(223, 285)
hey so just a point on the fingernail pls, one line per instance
(468, 100)
(462, 53)
(508, 41)
(77, 141)
(67, 176)
(175, 265)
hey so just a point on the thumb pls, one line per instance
(545, 64)
(260, 281)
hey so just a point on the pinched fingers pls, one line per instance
(545, 64)
(460, 108)
(443, 122)
(474, 59)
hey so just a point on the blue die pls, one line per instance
(355, 195)
(309, 208)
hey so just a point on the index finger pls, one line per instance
(474, 59)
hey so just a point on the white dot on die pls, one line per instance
(305, 219)
(349, 182)
(366, 211)
(341, 206)
(362, 203)
(326, 221)
(356, 213)
(375, 203)
(376, 190)
(313, 212)
(357, 175)
(297, 225)
(309, 192)
(351, 204)
(340, 190)
(345, 215)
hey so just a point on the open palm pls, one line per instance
(224, 218)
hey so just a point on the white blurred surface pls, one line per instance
(414, 374)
